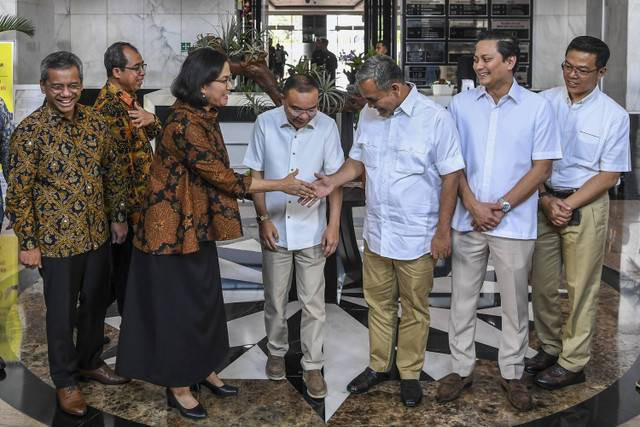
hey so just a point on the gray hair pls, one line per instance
(382, 69)
(60, 60)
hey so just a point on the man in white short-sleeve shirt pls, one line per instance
(508, 137)
(573, 214)
(409, 148)
(293, 137)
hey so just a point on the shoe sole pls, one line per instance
(467, 385)
(315, 396)
(274, 378)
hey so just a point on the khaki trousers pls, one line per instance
(384, 280)
(276, 275)
(580, 249)
(512, 262)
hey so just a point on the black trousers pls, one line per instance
(76, 293)
(120, 260)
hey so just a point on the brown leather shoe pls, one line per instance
(557, 377)
(451, 386)
(71, 401)
(275, 368)
(541, 361)
(517, 394)
(316, 386)
(104, 375)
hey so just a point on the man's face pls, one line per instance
(300, 107)
(580, 72)
(384, 101)
(381, 49)
(62, 90)
(490, 67)
(131, 77)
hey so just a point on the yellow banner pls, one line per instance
(6, 73)
(10, 326)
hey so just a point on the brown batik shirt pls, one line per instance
(63, 177)
(133, 143)
(193, 191)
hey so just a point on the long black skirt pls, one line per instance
(174, 329)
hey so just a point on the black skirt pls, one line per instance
(174, 329)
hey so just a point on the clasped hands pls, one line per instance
(557, 211)
(486, 216)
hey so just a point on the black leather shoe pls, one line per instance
(541, 361)
(411, 392)
(225, 391)
(367, 379)
(557, 377)
(196, 413)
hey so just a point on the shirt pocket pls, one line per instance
(411, 159)
(586, 148)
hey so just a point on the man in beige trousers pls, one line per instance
(573, 214)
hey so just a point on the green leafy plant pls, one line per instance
(256, 103)
(330, 98)
(16, 23)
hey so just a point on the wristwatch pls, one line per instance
(261, 218)
(506, 206)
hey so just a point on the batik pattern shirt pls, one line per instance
(133, 143)
(64, 176)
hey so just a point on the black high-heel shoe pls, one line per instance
(224, 391)
(197, 413)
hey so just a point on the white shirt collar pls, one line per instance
(591, 96)
(284, 121)
(515, 92)
(409, 102)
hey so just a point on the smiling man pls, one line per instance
(509, 138)
(63, 178)
(296, 136)
(573, 214)
(131, 127)
(408, 147)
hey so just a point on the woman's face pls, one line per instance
(217, 92)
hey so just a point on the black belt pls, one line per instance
(559, 194)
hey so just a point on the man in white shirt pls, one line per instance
(296, 136)
(408, 146)
(573, 214)
(508, 137)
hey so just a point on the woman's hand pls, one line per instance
(295, 187)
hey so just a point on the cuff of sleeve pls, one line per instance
(611, 167)
(246, 183)
(451, 165)
(27, 243)
(356, 156)
(253, 165)
(547, 155)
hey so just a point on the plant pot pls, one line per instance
(442, 90)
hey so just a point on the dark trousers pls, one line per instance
(83, 278)
(120, 260)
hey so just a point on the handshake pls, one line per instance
(308, 193)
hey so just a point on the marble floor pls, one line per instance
(608, 397)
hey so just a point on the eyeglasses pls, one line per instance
(297, 112)
(227, 82)
(140, 68)
(569, 69)
(59, 87)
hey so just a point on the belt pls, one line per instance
(560, 194)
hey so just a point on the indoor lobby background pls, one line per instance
(163, 31)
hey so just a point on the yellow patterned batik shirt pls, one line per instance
(133, 143)
(63, 177)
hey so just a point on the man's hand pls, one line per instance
(268, 235)
(441, 244)
(557, 211)
(486, 216)
(140, 117)
(31, 259)
(118, 232)
(295, 187)
(322, 187)
(330, 240)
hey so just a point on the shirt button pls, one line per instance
(294, 154)
(95, 246)
(289, 201)
(289, 217)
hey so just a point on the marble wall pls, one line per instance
(156, 27)
(633, 56)
(555, 24)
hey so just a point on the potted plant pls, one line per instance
(442, 87)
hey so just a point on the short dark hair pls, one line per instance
(591, 45)
(60, 60)
(114, 56)
(300, 83)
(202, 66)
(507, 45)
(381, 42)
